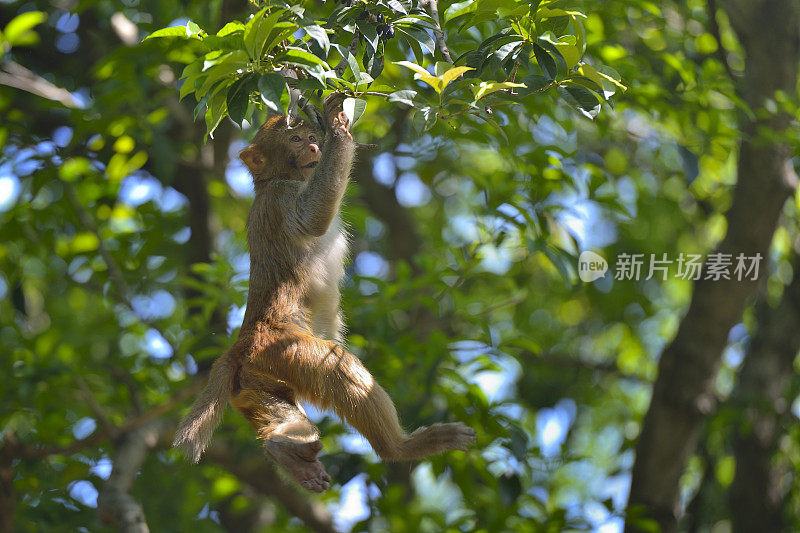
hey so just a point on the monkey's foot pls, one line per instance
(299, 460)
(438, 438)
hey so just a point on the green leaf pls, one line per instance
(172, 31)
(231, 27)
(545, 12)
(580, 34)
(552, 51)
(405, 96)
(316, 32)
(485, 88)
(397, 6)
(200, 105)
(413, 66)
(452, 74)
(459, 8)
(588, 83)
(373, 61)
(581, 99)
(238, 96)
(370, 34)
(250, 31)
(264, 32)
(546, 62)
(420, 36)
(272, 87)
(193, 30)
(569, 51)
(215, 112)
(16, 29)
(281, 31)
(613, 76)
(415, 47)
(477, 18)
(219, 72)
(192, 69)
(424, 119)
(354, 109)
(298, 55)
(352, 62)
(422, 74)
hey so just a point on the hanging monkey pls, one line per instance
(289, 347)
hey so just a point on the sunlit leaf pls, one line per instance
(272, 87)
(20, 25)
(354, 108)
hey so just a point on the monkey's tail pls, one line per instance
(196, 428)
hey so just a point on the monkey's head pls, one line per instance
(283, 149)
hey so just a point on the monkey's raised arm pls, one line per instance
(319, 202)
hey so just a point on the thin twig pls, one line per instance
(373, 93)
(133, 394)
(86, 392)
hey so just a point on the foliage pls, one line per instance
(252, 63)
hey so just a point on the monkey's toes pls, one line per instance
(317, 482)
(462, 435)
(299, 460)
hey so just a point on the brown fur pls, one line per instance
(279, 358)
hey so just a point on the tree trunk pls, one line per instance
(683, 393)
(757, 495)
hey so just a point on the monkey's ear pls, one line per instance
(253, 158)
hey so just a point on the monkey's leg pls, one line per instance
(331, 377)
(290, 438)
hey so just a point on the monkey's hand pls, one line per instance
(337, 123)
(340, 126)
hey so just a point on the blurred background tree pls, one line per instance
(123, 264)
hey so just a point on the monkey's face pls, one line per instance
(282, 151)
(304, 149)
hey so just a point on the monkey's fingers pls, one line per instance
(343, 120)
(333, 103)
(341, 125)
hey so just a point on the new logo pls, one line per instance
(591, 266)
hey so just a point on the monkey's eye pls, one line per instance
(312, 138)
(295, 138)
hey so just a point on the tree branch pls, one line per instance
(438, 34)
(115, 506)
(15, 75)
(264, 477)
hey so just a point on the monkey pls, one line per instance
(289, 347)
